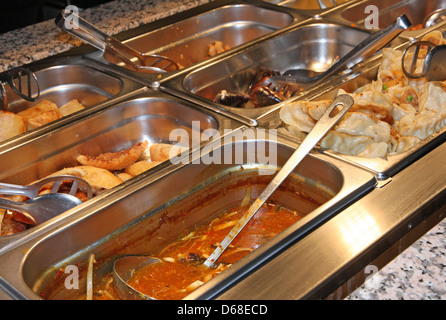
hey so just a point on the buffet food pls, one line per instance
(391, 114)
(102, 172)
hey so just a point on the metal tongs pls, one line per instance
(80, 28)
(40, 208)
(293, 81)
(432, 58)
(23, 82)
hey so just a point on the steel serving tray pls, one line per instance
(129, 221)
(339, 256)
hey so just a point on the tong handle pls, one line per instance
(12, 205)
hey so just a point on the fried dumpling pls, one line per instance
(405, 143)
(421, 125)
(140, 166)
(362, 124)
(433, 98)
(359, 134)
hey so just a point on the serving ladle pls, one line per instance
(125, 266)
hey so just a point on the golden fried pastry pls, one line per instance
(140, 166)
(114, 160)
(70, 107)
(10, 125)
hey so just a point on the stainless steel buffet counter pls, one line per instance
(329, 260)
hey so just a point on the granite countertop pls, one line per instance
(419, 272)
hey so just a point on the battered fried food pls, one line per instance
(216, 47)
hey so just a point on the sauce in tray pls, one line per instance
(182, 269)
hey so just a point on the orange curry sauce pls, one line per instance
(182, 269)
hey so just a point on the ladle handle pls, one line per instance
(321, 128)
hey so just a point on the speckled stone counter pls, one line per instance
(419, 272)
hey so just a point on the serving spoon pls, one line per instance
(123, 267)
